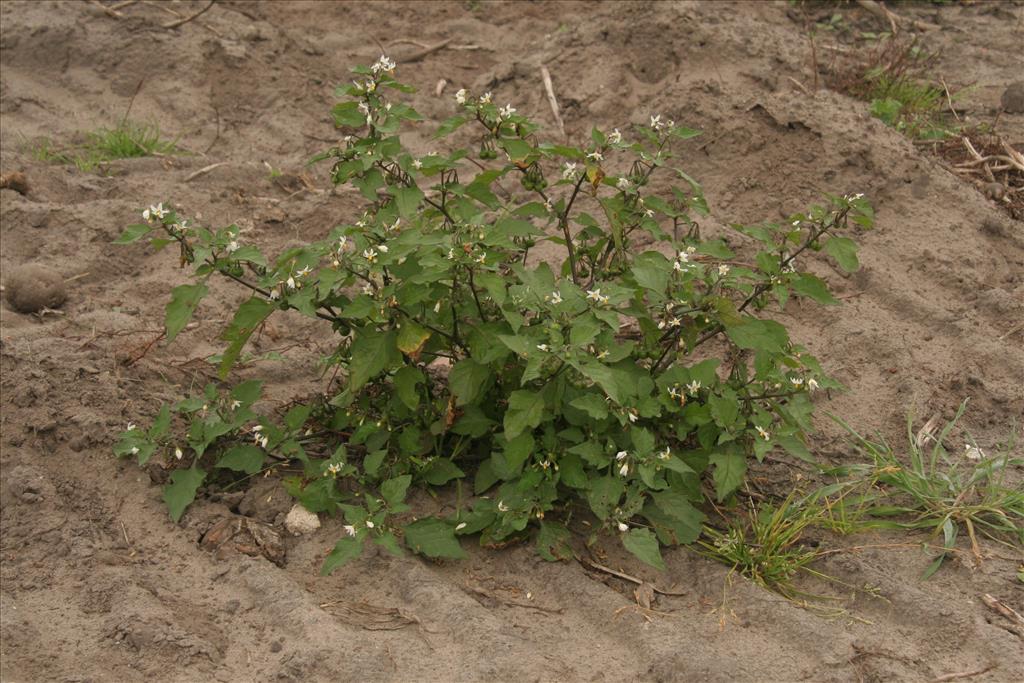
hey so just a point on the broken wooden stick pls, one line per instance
(1016, 620)
(417, 56)
(185, 20)
(204, 170)
(550, 90)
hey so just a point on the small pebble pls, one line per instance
(301, 521)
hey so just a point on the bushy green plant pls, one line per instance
(606, 375)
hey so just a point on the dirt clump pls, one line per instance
(32, 287)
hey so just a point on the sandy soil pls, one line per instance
(99, 585)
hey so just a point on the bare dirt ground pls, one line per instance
(99, 585)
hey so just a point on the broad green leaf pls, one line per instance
(348, 114)
(180, 493)
(474, 423)
(518, 150)
(133, 233)
(243, 458)
(469, 380)
(592, 404)
(441, 471)
(389, 542)
(184, 300)
(393, 490)
(794, 446)
(345, 550)
(525, 411)
(248, 317)
(161, 424)
(644, 544)
(651, 271)
(553, 542)
(412, 337)
(728, 474)
(759, 335)
(407, 200)
(813, 287)
(844, 251)
(434, 538)
(448, 126)
(687, 519)
(372, 353)
(406, 380)
(604, 495)
(247, 392)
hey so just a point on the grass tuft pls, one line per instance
(126, 141)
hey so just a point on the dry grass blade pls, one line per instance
(370, 617)
(550, 90)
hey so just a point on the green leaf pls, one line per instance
(393, 490)
(180, 493)
(434, 538)
(184, 300)
(243, 458)
(248, 317)
(441, 471)
(525, 411)
(844, 251)
(474, 423)
(814, 288)
(553, 542)
(412, 337)
(795, 447)
(604, 495)
(407, 200)
(651, 271)
(133, 233)
(348, 114)
(595, 406)
(448, 126)
(372, 353)
(759, 335)
(373, 461)
(247, 392)
(644, 544)
(687, 519)
(518, 150)
(345, 550)
(161, 424)
(469, 380)
(406, 380)
(728, 474)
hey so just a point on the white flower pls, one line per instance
(543, 347)
(460, 526)
(596, 156)
(304, 272)
(178, 454)
(555, 298)
(290, 282)
(232, 246)
(502, 507)
(460, 96)
(350, 529)
(693, 387)
(633, 416)
(596, 296)
(624, 470)
(363, 108)
(506, 111)
(547, 206)
(796, 381)
(621, 455)
(437, 306)
(130, 427)
(159, 211)
(656, 121)
(665, 454)
(762, 432)
(723, 270)
(482, 258)
(370, 255)
(615, 137)
(623, 526)
(135, 450)
(264, 441)
(383, 64)
(369, 524)
(673, 392)
(569, 170)
(973, 452)
(236, 404)
(812, 384)
(648, 213)
(451, 254)
(383, 248)
(485, 98)
(416, 163)
(623, 183)
(602, 355)
(274, 294)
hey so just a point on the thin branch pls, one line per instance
(185, 20)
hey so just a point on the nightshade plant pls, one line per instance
(609, 377)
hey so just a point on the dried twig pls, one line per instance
(417, 56)
(963, 674)
(880, 11)
(204, 170)
(974, 153)
(550, 90)
(1016, 625)
(185, 20)
(439, 88)
(109, 11)
(624, 577)
(949, 98)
